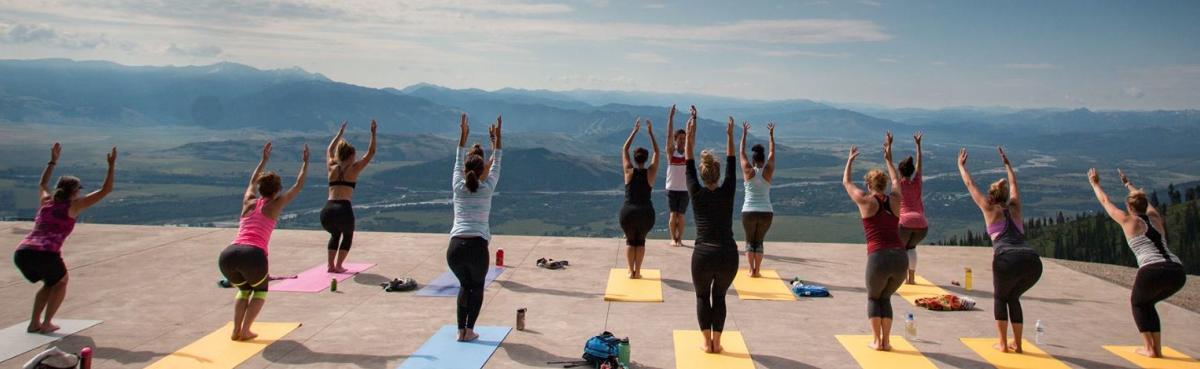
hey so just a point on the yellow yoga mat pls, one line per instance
(646, 289)
(902, 356)
(1171, 359)
(217, 351)
(923, 288)
(689, 352)
(1031, 358)
(767, 287)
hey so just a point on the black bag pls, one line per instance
(399, 285)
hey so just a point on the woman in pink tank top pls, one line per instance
(913, 225)
(39, 255)
(244, 263)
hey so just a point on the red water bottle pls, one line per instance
(500, 257)
(85, 358)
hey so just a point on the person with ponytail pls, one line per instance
(757, 212)
(1016, 267)
(244, 262)
(637, 214)
(913, 225)
(1160, 273)
(715, 254)
(887, 261)
(473, 185)
(39, 255)
(337, 217)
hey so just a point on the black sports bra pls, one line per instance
(341, 182)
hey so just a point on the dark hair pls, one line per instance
(344, 151)
(680, 132)
(474, 166)
(760, 156)
(269, 184)
(907, 167)
(640, 154)
(67, 185)
(475, 150)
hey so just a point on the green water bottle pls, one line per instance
(333, 285)
(623, 352)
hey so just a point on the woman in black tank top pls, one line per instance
(637, 215)
(337, 217)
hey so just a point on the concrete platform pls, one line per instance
(155, 289)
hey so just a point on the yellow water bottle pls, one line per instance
(967, 278)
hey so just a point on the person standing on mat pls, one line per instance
(886, 258)
(1160, 273)
(756, 207)
(244, 262)
(677, 189)
(715, 255)
(337, 217)
(913, 225)
(467, 255)
(637, 215)
(1016, 267)
(39, 255)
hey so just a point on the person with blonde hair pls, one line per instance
(1160, 273)
(887, 261)
(715, 255)
(637, 214)
(337, 217)
(1016, 267)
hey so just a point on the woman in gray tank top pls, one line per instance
(1160, 273)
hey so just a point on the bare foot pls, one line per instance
(1147, 353)
(887, 346)
(1015, 346)
(339, 270)
(248, 335)
(48, 327)
(635, 275)
(756, 275)
(469, 336)
(34, 327)
(235, 336)
(718, 349)
(1001, 347)
(707, 347)
(875, 346)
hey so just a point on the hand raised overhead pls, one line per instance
(962, 157)
(1093, 177)
(112, 156)
(266, 151)
(54, 151)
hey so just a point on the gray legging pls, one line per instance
(886, 270)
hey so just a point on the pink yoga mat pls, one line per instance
(317, 278)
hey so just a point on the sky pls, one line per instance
(931, 54)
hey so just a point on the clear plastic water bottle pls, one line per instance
(910, 326)
(1040, 329)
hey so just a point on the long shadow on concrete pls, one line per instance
(956, 361)
(534, 357)
(76, 342)
(792, 259)
(370, 279)
(295, 353)
(776, 362)
(519, 287)
(1085, 363)
(679, 285)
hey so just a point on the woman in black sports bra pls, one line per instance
(637, 214)
(337, 217)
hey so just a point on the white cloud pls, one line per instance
(197, 51)
(45, 35)
(887, 60)
(1075, 100)
(646, 57)
(1133, 92)
(870, 3)
(814, 54)
(1030, 66)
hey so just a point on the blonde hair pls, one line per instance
(998, 191)
(343, 151)
(876, 180)
(1137, 201)
(710, 169)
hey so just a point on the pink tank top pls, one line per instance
(255, 229)
(51, 226)
(912, 208)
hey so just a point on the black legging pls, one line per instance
(468, 259)
(886, 270)
(713, 270)
(337, 217)
(245, 267)
(1013, 273)
(636, 221)
(1154, 283)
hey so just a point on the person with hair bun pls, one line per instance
(1160, 273)
(1016, 267)
(244, 262)
(39, 255)
(715, 255)
(757, 212)
(337, 217)
(473, 185)
(913, 225)
(637, 214)
(887, 261)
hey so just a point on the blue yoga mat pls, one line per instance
(444, 351)
(446, 285)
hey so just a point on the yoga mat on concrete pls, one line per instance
(446, 284)
(1171, 359)
(767, 287)
(442, 350)
(217, 351)
(645, 289)
(923, 288)
(317, 278)
(690, 355)
(15, 341)
(902, 356)
(1031, 358)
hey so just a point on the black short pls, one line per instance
(677, 201)
(37, 265)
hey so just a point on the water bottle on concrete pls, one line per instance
(1040, 329)
(910, 326)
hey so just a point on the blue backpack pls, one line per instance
(602, 348)
(809, 290)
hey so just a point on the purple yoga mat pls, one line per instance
(446, 285)
(317, 278)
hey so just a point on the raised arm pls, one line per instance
(464, 128)
(769, 169)
(729, 138)
(690, 150)
(90, 199)
(1150, 210)
(855, 193)
(653, 170)
(744, 163)
(1113, 211)
(626, 163)
(891, 167)
(1013, 194)
(366, 159)
(299, 185)
(44, 192)
(262, 163)
(917, 137)
(980, 200)
(671, 130)
(329, 153)
(494, 134)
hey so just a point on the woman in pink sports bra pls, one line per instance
(39, 256)
(244, 263)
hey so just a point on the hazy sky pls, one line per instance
(1098, 54)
